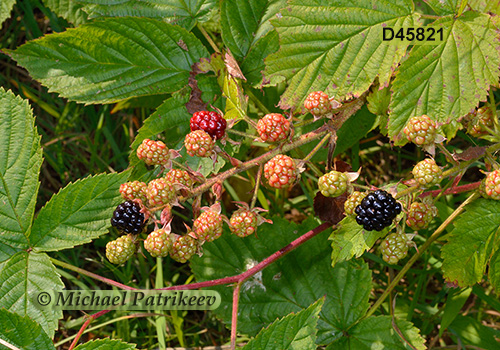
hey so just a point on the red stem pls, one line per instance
(234, 317)
(260, 266)
(85, 325)
(454, 190)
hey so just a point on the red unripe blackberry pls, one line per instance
(420, 215)
(153, 152)
(421, 130)
(281, 171)
(427, 173)
(353, 201)
(208, 226)
(318, 103)
(273, 127)
(394, 248)
(183, 248)
(134, 190)
(128, 217)
(210, 122)
(199, 143)
(159, 243)
(120, 250)
(175, 176)
(377, 211)
(492, 185)
(243, 222)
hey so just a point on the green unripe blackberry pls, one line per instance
(353, 201)
(159, 243)
(394, 248)
(420, 215)
(183, 248)
(120, 250)
(333, 184)
(427, 173)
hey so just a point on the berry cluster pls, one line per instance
(273, 127)
(479, 122)
(394, 248)
(210, 122)
(353, 201)
(153, 152)
(333, 184)
(281, 171)
(427, 173)
(492, 185)
(318, 103)
(421, 130)
(377, 211)
(128, 217)
(420, 215)
(120, 250)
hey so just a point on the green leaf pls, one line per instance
(236, 100)
(294, 331)
(20, 161)
(448, 80)
(70, 10)
(494, 271)
(354, 129)
(113, 59)
(444, 7)
(335, 46)
(78, 213)
(351, 240)
(377, 332)
(471, 243)
(5, 9)
(454, 303)
(241, 23)
(472, 332)
(485, 6)
(25, 273)
(23, 332)
(181, 12)
(105, 344)
(171, 116)
(289, 284)
(253, 64)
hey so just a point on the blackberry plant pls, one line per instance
(184, 110)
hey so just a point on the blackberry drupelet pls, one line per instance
(377, 210)
(128, 217)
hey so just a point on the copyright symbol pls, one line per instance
(44, 298)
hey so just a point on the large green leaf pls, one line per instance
(248, 33)
(494, 271)
(5, 9)
(70, 10)
(20, 161)
(113, 59)
(492, 6)
(181, 12)
(30, 272)
(78, 213)
(472, 332)
(288, 285)
(351, 240)
(171, 116)
(448, 80)
(241, 20)
(294, 331)
(105, 344)
(377, 332)
(335, 46)
(23, 332)
(444, 7)
(472, 242)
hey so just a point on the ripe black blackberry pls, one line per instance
(377, 210)
(128, 217)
